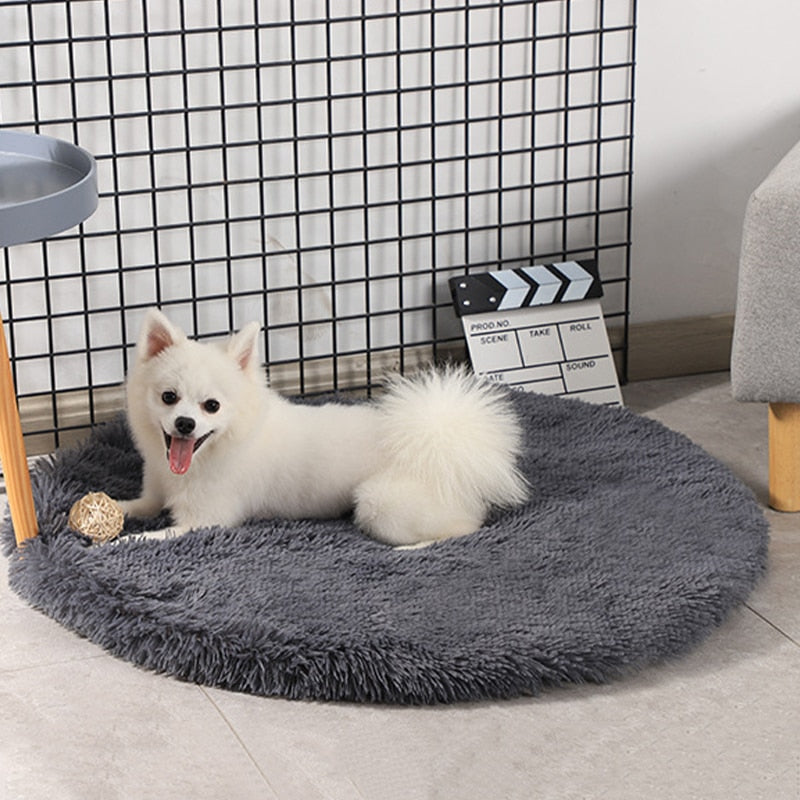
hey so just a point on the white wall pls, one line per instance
(717, 105)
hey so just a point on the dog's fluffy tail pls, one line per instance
(452, 441)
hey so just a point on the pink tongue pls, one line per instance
(180, 454)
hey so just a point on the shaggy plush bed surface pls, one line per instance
(634, 545)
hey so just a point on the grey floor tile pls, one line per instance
(777, 598)
(100, 729)
(32, 639)
(702, 408)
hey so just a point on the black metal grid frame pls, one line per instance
(322, 166)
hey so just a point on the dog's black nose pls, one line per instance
(184, 425)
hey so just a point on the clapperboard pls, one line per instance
(540, 328)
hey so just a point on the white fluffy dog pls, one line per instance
(424, 462)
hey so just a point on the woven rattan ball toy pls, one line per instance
(97, 516)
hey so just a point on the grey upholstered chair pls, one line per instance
(765, 361)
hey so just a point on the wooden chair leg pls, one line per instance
(12, 453)
(784, 456)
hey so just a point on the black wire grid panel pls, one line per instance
(323, 167)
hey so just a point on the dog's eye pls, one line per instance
(169, 398)
(211, 406)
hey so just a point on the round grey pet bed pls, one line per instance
(635, 544)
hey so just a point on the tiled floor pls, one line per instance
(723, 722)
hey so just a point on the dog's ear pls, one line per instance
(243, 346)
(158, 333)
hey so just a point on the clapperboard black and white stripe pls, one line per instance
(538, 285)
(539, 328)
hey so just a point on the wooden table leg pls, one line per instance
(784, 456)
(12, 453)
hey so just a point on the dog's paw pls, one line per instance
(416, 546)
(161, 535)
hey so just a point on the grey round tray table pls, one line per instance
(46, 186)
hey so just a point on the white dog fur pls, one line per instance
(424, 462)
